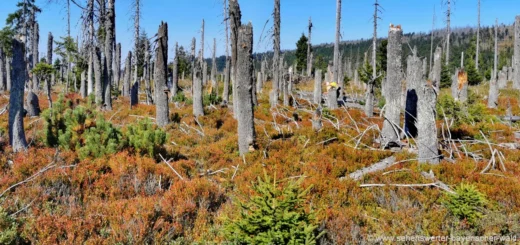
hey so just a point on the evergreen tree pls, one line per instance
(301, 53)
(445, 76)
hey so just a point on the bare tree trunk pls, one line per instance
(448, 32)
(16, 112)
(437, 66)
(246, 128)
(3, 85)
(175, 73)
(493, 93)
(198, 107)
(117, 68)
(430, 75)
(50, 40)
(147, 70)
(317, 87)
(137, 15)
(98, 76)
(414, 81)
(332, 93)
(202, 43)
(162, 112)
(35, 55)
(235, 17)
(392, 87)
(214, 68)
(193, 47)
(309, 59)
(276, 57)
(128, 74)
(82, 87)
(109, 53)
(495, 61)
(427, 129)
(32, 104)
(516, 66)
(259, 83)
(90, 71)
(204, 73)
(227, 75)
(478, 37)
(8, 73)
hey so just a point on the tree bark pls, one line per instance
(82, 88)
(161, 71)
(276, 57)
(8, 73)
(214, 87)
(110, 25)
(128, 74)
(198, 108)
(516, 67)
(117, 66)
(32, 104)
(175, 73)
(35, 55)
(259, 83)
(392, 87)
(16, 130)
(246, 128)
(427, 129)
(437, 67)
(317, 87)
(493, 94)
(3, 79)
(448, 31)
(413, 82)
(227, 75)
(332, 94)
(309, 59)
(146, 68)
(98, 76)
(478, 38)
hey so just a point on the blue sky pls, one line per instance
(184, 19)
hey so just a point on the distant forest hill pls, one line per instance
(463, 39)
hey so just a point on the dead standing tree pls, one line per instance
(414, 81)
(369, 102)
(246, 128)
(276, 56)
(516, 66)
(227, 69)
(448, 31)
(235, 18)
(214, 87)
(392, 87)
(175, 72)
(332, 93)
(493, 83)
(16, 130)
(161, 72)
(110, 25)
(478, 37)
(437, 66)
(427, 143)
(309, 56)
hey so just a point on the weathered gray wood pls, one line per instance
(8, 73)
(273, 97)
(495, 61)
(235, 18)
(437, 67)
(214, 88)
(516, 66)
(82, 87)
(227, 76)
(392, 87)
(448, 32)
(117, 66)
(128, 75)
(32, 105)
(385, 163)
(316, 119)
(259, 83)
(246, 128)
(110, 25)
(147, 71)
(162, 111)
(493, 94)
(35, 55)
(98, 84)
(414, 81)
(204, 73)
(16, 130)
(317, 87)
(336, 45)
(3, 79)
(455, 84)
(427, 143)
(502, 79)
(198, 108)
(309, 59)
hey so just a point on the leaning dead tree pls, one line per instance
(276, 56)
(493, 83)
(16, 112)
(309, 56)
(161, 76)
(332, 93)
(516, 66)
(246, 127)
(392, 87)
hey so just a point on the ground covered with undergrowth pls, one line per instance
(113, 177)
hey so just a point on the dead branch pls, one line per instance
(438, 184)
(385, 163)
(167, 163)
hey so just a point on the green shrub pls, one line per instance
(467, 204)
(100, 140)
(179, 97)
(8, 229)
(55, 121)
(211, 99)
(145, 138)
(276, 215)
(472, 111)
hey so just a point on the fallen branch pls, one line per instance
(385, 163)
(167, 163)
(438, 184)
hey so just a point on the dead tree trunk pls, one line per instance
(516, 67)
(3, 85)
(214, 87)
(414, 82)
(35, 55)
(332, 93)
(392, 87)
(175, 72)
(110, 25)
(259, 83)
(98, 75)
(204, 73)
(16, 113)
(82, 87)
(246, 127)
(478, 37)
(276, 57)
(448, 32)
(317, 87)
(48, 86)
(495, 61)
(128, 74)
(198, 107)
(32, 104)
(427, 129)
(137, 15)
(437, 66)
(161, 77)
(309, 59)
(8, 73)
(430, 75)
(493, 93)
(227, 75)
(147, 70)
(117, 67)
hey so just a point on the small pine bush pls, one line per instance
(276, 215)
(145, 138)
(8, 229)
(467, 204)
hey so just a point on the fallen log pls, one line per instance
(385, 163)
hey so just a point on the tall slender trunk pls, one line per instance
(109, 52)
(332, 93)
(128, 74)
(448, 34)
(98, 76)
(48, 86)
(35, 55)
(235, 18)
(161, 71)
(478, 37)
(430, 75)
(309, 59)
(175, 72)
(227, 69)
(214, 69)
(137, 15)
(276, 56)
(3, 85)
(16, 130)
(495, 61)
(317, 87)
(198, 107)
(516, 58)
(117, 67)
(90, 82)
(147, 71)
